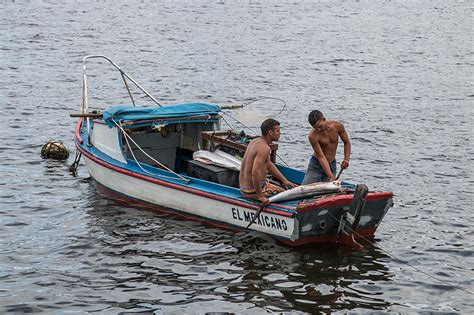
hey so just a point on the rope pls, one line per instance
(146, 154)
(402, 261)
(228, 124)
(75, 164)
(268, 98)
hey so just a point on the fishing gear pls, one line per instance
(268, 98)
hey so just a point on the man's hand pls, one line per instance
(264, 200)
(288, 184)
(344, 164)
(331, 178)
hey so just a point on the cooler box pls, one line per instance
(213, 173)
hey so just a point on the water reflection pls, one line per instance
(322, 278)
(167, 260)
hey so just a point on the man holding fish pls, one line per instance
(324, 138)
(256, 163)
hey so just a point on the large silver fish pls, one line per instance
(219, 158)
(235, 161)
(305, 191)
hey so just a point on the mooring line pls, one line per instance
(75, 164)
(402, 261)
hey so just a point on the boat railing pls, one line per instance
(85, 97)
(125, 76)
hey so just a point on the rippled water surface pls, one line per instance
(397, 73)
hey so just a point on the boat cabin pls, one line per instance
(170, 137)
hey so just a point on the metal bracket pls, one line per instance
(351, 217)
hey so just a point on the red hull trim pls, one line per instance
(341, 201)
(329, 238)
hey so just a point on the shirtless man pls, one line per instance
(324, 138)
(256, 163)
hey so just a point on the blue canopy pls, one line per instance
(129, 113)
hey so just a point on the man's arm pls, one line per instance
(259, 172)
(313, 139)
(272, 169)
(347, 145)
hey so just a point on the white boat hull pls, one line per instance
(191, 203)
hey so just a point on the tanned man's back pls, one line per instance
(250, 164)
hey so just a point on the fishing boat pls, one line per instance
(176, 157)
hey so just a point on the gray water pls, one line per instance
(398, 74)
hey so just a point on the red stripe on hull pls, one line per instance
(329, 238)
(339, 201)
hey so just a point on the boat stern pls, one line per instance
(331, 219)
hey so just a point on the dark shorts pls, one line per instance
(315, 172)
